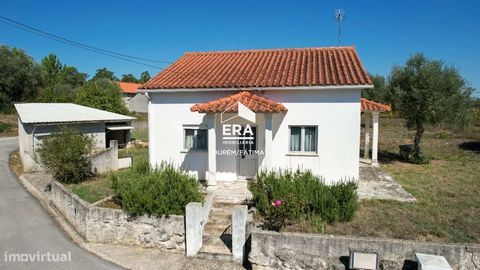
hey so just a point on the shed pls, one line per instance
(36, 121)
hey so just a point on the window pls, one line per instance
(303, 139)
(195, 139)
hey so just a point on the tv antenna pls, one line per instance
(339, 16)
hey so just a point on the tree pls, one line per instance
(71, 76)
(144, 77)
(380, 92)
(58, 93)
(60, 80)
(51, 67)
(102, 94)
(427, 91)
(129, 78)
(67, 164)
(104, 73)
(20, 77)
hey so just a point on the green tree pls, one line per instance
(60, 80)
(102, 94)
(104, 73)
(380, 92)
(144, 77)
(67, 164)
(51, 67)
(426, 91)
(58, 93)
(129, 78)
(20, 77)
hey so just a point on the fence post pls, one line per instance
(239, 232)
(193, 228)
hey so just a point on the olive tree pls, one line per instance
(427, 91)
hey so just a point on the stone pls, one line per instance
(432, 262)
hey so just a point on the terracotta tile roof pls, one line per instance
(230, 104)
(128, 87)
(372, 106)
(264, 68)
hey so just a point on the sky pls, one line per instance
(384, 32)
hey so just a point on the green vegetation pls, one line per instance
(20, 78)
(140, 134)
(67, 164)
(161, 191)
(102, 94)
(4, 127)
(94, 189)
(426, 91)
(283, 197)
(448, 205)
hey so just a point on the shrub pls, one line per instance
(165, 190)
(5, 126)
(65, 155)
(303, 196)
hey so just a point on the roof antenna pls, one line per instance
(339, 15)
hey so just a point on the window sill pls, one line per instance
(302, 154)
(184, 151)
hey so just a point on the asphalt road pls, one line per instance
(27, 229)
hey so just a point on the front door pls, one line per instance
(247, 158)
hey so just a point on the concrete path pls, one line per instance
(376, 183)
(26, 228)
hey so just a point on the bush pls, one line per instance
(65, 155)
(282, 196)
(102, 94)
(5, 126)
(161, 191)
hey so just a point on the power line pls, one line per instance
(120, 56)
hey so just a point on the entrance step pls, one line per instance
(217, 234)
(232, 191)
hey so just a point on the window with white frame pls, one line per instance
(195, 139)
(303, 139)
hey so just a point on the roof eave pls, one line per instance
(277, 88)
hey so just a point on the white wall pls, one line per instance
(30, 137)
(138, 103)
(335, 112)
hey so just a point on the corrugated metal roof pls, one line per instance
(64, 113)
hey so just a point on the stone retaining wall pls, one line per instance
(271, 250)
(113, 226)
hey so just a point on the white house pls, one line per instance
(226, 115)
(37, 121)
(135, 101)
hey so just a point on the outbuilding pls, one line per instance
(36, 121)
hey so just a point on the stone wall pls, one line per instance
(271, 250)
(74, 209)
(113, 226)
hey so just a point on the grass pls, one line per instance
(100, 187)
(140, 134)
(8, 125)
(447, 189)
(93, 189)
(15, 163)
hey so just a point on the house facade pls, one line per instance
(135, 101)
(225, 116)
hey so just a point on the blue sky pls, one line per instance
(384, 32)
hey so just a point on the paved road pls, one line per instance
(26, 228)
